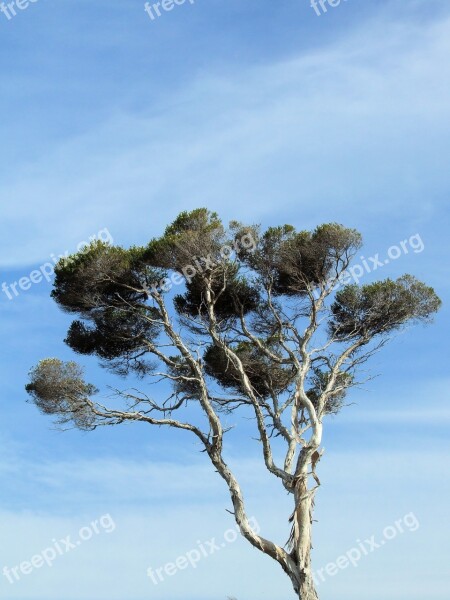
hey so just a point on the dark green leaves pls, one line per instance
(109, 287)
(231, 294)
(102, 276)
(194, 236)
(116, 334)
(335, 397)
(293, 264)
(381, 307)
(237, 283)
(266, 377)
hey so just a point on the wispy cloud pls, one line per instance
(376, 487)
(353, 130)
(371, 110)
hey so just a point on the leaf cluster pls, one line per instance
(59, 389)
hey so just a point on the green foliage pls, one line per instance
(188, 388)
(381, 307)
(107, 286)
(193, 245)
(58, 388)
(121, 320)
(196, 234)
(230, 293)
(266, 376)
(102, 276)
(199, 219)
(294, 264)
(116, 334)
(335, 398)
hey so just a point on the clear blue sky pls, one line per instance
(267, 113)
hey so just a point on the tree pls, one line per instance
(264, 322)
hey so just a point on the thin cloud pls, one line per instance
(338, 111)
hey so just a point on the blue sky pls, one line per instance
(266, 113)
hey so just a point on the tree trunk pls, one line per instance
(302, 519)
(308, 590)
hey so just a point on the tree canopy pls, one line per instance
(230, 316)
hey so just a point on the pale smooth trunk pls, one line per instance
(302, 530)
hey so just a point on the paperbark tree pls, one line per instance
(264, 322)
